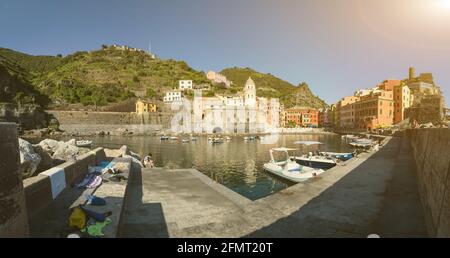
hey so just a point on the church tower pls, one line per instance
(250, 93)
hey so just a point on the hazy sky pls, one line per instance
(336, 46)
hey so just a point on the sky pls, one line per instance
(336, 46)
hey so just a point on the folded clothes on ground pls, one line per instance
(95, 215)
(95, 229)
(90, 181)
(94, 200)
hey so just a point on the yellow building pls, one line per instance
(143, 106)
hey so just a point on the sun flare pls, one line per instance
(445, 4)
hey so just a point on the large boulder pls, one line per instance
(50, 145)
(65, 151)
(72, 142)
(124, 150)
(46, 159)
(29, 160)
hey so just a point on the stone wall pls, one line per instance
(27, 116)
(39, 192)
(90, 121)
(431, 150)
(13, 213)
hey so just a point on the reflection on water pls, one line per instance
(236, 164)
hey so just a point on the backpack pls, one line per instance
(78, 218)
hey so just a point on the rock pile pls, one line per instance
(46, 154)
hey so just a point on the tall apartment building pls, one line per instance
(402, 101)
(347, 113)
(375, 110)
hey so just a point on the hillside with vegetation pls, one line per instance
(15, 87)
(111, 76)
(268, 85)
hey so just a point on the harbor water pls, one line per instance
(237, 164)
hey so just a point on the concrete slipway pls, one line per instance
(372, 193)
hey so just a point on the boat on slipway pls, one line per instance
(289, 169)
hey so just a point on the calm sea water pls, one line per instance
(237, 164)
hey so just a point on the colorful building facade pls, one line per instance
(375, 110)
(143, 106)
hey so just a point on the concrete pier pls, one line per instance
(13, 214)
(374, 193)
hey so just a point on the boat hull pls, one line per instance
(315, 163)
(295, 177)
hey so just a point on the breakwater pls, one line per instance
(93, 122)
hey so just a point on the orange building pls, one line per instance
(340, 110)
(389, 85)
(375, 110)
(302, 117)
(402, 101)
(347, 113)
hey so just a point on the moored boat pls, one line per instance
(164, 138)
(316, 161)
(337, 155)
(84, 143)
(217, 140)
(289, 169)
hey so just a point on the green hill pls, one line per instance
(268, 85)
(109, 76)
(15, 87)
(32, 64)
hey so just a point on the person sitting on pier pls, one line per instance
(148, 162)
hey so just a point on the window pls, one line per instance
(381, 111)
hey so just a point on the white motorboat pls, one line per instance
(84, 143)
(185, 140)
(173, 138)
(289, 169)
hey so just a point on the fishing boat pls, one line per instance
(289, 169)
(164, 138)
(315, 161)
(338, 155)
(84, 143)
